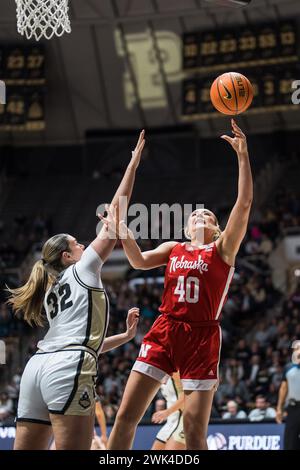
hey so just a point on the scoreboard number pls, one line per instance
(263, 44)
(23, 71)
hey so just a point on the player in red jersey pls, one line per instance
(187, 336)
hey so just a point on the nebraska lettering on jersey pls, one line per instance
(196, 283)
(185, 264)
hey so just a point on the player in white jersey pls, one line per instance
(171, 435)
(57, 386)
(112, 342)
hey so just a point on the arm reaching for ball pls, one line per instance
(229, 242)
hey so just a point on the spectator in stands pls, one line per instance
(261, 335)
(243, 352)
(146, 310)
(251, 247)
(5, 321)
(284, 341)
(159, 405)
(233, 411)
(254, 369)
(262, 382)
(234, 369)
(255, 232)
(266, 245)
(271, 395)
(6, 409)
(262, 410)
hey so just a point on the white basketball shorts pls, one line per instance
(60, 382)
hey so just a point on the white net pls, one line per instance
(43, 18)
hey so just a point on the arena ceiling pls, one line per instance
(107, 74)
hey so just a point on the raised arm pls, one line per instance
(146, 259)
(229, 242)
(104, 244)
(126, 185)
(138, 259)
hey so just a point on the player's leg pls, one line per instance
(158, 445)
(199, 376)
(172, 444)
(70, 398)
(72, 432)
(32, 436)
(139, 392)
(196, 414)
(33, 431)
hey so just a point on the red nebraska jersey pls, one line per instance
(196, 283)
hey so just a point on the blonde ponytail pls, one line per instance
(29, 298)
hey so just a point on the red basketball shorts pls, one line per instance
(192, 349)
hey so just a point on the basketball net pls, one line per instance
(43, 18)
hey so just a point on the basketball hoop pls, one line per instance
(43, 18)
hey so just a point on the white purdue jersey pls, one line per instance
(77, 307)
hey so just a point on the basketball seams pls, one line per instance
(220, 96)
(245, 105)
(235, 94)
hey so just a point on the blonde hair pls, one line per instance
(29, 298)
(217, 233)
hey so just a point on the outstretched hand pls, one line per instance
(159, 416)
(132, 322)
(110, 222)
(239, 141)
(137, 152)
(114, 229)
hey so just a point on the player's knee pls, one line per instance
(196, 443)
(193, 425)
(126, 418)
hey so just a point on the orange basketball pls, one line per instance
(231, 93)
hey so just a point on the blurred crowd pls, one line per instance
(17, 238)
(259, 323)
